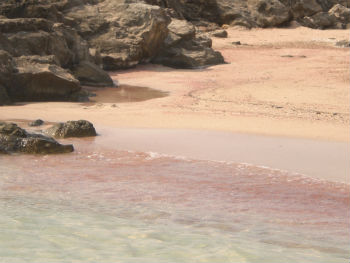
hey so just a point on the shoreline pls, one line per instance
(317, 159)
(273, 88)
(323, 160)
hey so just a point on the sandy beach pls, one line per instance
(246, 161)
(289, 83)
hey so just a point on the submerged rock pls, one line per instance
(14, 139)
(81, 128)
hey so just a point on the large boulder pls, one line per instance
(14, 139)
(125, 34)
(42, 82)
(81, 128)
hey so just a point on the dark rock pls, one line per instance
(36, 123)
(219, 33)
(90, 74)
(343, 43)
(42, 82)
(238, 43)
(14, 139)
(269, 13)
(4, 98)
(68, 129)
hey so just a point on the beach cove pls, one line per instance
(239, 162)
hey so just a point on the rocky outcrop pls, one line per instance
(183, 49)
(48, 48)
(14, 139)
(68, 129)
(251, 13)
(40, 81)
(269, 13)
(337, 17)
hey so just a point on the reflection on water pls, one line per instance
(98, 205)
(124, 93)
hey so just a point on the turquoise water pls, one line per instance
(104, 205)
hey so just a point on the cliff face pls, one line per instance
(48, 48)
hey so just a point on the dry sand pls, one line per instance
(278, 82)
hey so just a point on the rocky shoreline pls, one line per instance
(14, 139)
(50, 48)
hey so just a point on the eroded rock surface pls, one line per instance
(14, 139)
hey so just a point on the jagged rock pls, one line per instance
(340, 15)
(79, 128)
(125, 34)
(36, 123)
(14, 139)
(336, 17)
(40, 82)
(320, 20)
(269, 13)
(90, 74)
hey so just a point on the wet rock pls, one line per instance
(90, 74)
(81, 128)
(36, 123)
(14, 139)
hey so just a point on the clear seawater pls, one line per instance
(105, 205)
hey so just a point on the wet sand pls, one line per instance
(318, 159)
(123, 94)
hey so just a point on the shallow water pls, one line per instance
(124, 93)
(105, 205)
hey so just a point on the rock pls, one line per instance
(68, 129)
(14, 139)
(269, 13)
(90, 74)
(341, 15)
(302, 8)
(42, 82)
(36, 123)
(183, 29)
(343, 43)
(130, 34)
(4, 98)
(219, 33)
(183, 50)
(237, 43)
